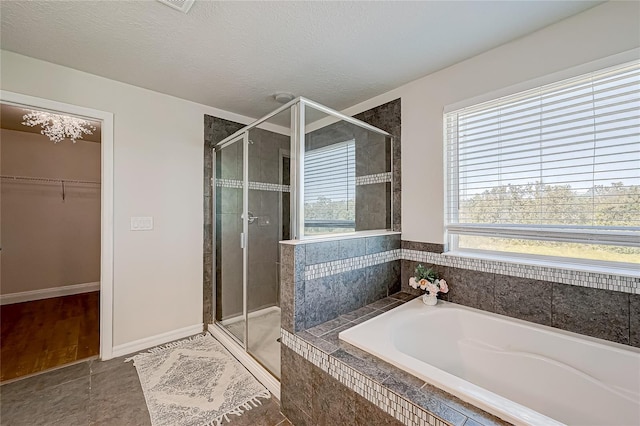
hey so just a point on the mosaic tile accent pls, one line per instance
(602, 281)
(390, 402)
(229, 183)
(544, 273)
(263, 186)
(326, 269)
(375, 178)
(259, 186)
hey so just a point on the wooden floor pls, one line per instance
(42, 334)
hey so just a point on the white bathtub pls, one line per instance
(519, 371)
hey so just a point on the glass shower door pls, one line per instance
(229, 274)
(266, 214)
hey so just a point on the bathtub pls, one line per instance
(524, 373)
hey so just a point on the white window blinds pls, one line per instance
(557, 163)
(330, 185)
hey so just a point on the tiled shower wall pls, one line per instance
(215, 130)
(388, 118)
(267, 206)
(265, 148)
(372, 156)
(385, 117)
(322, 280)
(372, 170)
(227, 228)
(597, 305)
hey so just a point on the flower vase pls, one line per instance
(430, 299)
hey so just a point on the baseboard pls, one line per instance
(47, 293)
(158, 339)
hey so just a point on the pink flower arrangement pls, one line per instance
(427, 279)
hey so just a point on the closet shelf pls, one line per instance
(62, 182)
(50, 180)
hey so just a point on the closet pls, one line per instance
(50, 240)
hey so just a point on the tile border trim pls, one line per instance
(388, 401)
(611, 282)
(374, 178)
(595, 280)
(320, 270)
(259, 186)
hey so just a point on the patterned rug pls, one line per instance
(195, 382)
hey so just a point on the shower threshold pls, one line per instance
(264, 332)
(267, 345)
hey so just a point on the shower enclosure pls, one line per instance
(302, 171)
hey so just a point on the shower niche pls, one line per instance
(303, 171)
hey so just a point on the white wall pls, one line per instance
(158, 168)
(599, 32)
(48, 242)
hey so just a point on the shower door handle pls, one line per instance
(250, 217)
(242, 240)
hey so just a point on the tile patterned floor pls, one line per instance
(97, 393)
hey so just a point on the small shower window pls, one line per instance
(330, 189)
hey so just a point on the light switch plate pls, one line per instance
(141, 223)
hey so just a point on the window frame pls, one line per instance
(452, 227)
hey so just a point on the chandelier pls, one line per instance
(58, 127)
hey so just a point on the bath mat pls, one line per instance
(196, 382)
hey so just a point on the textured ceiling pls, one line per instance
(235, 55)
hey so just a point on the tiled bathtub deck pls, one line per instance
(400, 394)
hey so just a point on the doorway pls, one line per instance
(56, 222)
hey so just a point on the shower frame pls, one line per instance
(296, 155)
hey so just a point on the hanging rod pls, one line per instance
(50, 180)
(63, 182)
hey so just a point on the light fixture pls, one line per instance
(58, 127)
(283, 97)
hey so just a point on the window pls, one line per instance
(330, 189)
(551, 171)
